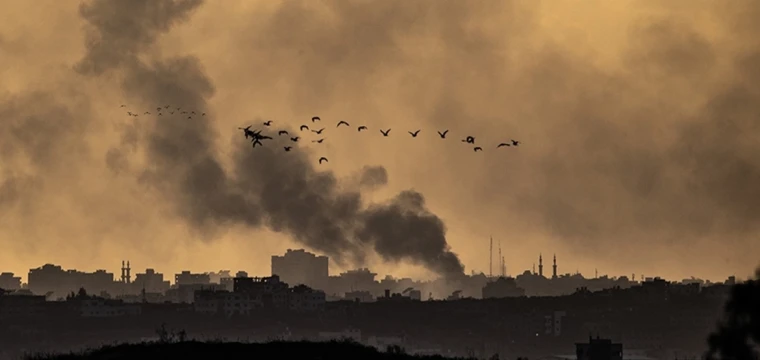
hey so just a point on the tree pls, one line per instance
(738, 334)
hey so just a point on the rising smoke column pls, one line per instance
(266, 187)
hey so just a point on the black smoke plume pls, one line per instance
(266, 186)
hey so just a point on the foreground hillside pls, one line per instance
(222, 350)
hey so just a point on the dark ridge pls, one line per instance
(332, 350)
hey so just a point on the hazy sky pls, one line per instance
(640, 123)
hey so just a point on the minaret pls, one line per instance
(554, 267)
(129, 275)
(123, 272)
(540, 265)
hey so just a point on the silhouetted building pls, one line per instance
(359, 296)
(599, 349)
(303, 298)
(188, 278)
(10, 282)
(301, 267)
(270, 290)
(151, 282)
(53, 279)
(502, 287)
(22, 306)
(96, 307)
(186, 293)
(224, 302)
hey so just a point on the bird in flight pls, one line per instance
(268, 123)
(166, 107)
(203, 114)
(502, 144)
(318, 141)
(342, 122)
(318, 131)
(287, 148)
(256, 141)
(386, 132)
(282, 132)
(515, 142)
(414, 134)
(122, 105)
(362, 128)
(147, 113)
(304, 127)
(158, 109)
(469, 140)
(323, 159)
(294, 138)
(315, 119)
(248, 132)
(477, 148)
(443, 134)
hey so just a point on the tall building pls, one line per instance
(301, 267)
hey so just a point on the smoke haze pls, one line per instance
(639, 124)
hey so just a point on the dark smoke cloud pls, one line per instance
(373, 177)
(266, 187)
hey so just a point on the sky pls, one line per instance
(638, 120)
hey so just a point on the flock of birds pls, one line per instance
(257, 138)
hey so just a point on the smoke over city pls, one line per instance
(639, 131)
(269, 188)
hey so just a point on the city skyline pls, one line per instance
(635, 155)
(548, 270)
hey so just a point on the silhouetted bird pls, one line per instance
(129, 113)
(295, 138)
(318, 141)
(192, 112)
(362, 128)
(342, 122)
(247, 131)
(502, 144)
(257, 142)
(189, 117)
(414, 134)
(268, 123)
(469, 140)
(282, 132)
(304, 127)
(515, 142)
(386, 132)
(122, 105)
(443, 134)
(171, 112)
(203, 114)
(179, 108)
(477, 148)
(323, 159)
(158, 109)
(166, 107)
(318, 131)
(160, 114)
(315, 119)
(147, 113)
(287, 148)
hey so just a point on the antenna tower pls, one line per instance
(501, 259)
(490, 259)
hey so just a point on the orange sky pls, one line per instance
(638, 121)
